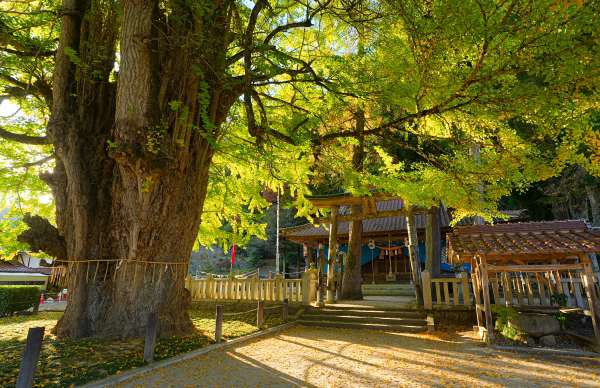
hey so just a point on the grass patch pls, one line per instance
(75, 362)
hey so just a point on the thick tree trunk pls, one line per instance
(352, 278)
(132, 170)
(594, 198)
(433, 250)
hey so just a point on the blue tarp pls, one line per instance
(366, 254)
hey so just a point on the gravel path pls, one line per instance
(323, 357)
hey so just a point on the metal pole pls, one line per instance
(373, 266)
(277, 237)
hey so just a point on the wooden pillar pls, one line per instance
(428, 302)
(307, 289)
(259, 314)
(588, 278)
(219, 323)
(559, 286)
(310, 261)
(486, 300)
(285, 309)
(150, 338)
(414, 255)
(31, 356)
(321, 258)
(475, 282)
(253, 289)
(433, 244)
(278, 283)
(331, 254)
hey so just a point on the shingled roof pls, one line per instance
(532, 240)
(16, 267)
(373, 226)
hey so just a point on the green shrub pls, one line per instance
(505, 314)
(567, 321)
(14, 299)
(559, 298)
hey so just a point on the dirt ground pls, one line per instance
(323, 357)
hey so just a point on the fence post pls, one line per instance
(36, 305)
(285, 309)
(259, 314)
(426, 280)
(464, 278)
(150, 338)
(306, 288)
(278, 287)
(188, 282)
(230, 292)
(253, 287)
(209, 286)
(219, 323)
(31, 355)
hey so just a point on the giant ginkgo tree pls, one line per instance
(140, 103)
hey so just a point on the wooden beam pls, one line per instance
(533, 268)
(383, 214)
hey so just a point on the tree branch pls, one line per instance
(43, 236)
(20, 138)
(30, 53)
(39, 162)
(405, 119)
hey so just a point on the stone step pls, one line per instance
(414, 314)
(389, 289)
(389, 293)
(370, 319)
(370, 326)
(388, 286)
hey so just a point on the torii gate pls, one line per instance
(369, 211)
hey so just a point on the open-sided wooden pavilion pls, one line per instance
(548, 251)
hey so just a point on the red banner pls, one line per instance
(234, 245)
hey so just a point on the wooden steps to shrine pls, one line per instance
(388, 289)
(388, 320)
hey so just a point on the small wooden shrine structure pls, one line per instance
(547, 250)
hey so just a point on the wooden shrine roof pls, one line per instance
(373, 227)
(525, 241)
(347, 199)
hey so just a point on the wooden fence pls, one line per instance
(277, 289)
(516, 290)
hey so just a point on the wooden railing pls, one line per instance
(447, 291)
(277, 289)
(519, 290)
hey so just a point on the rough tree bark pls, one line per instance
(433, 244)
(132, 170)
(352, 278)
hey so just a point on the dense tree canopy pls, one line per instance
(143, 118)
